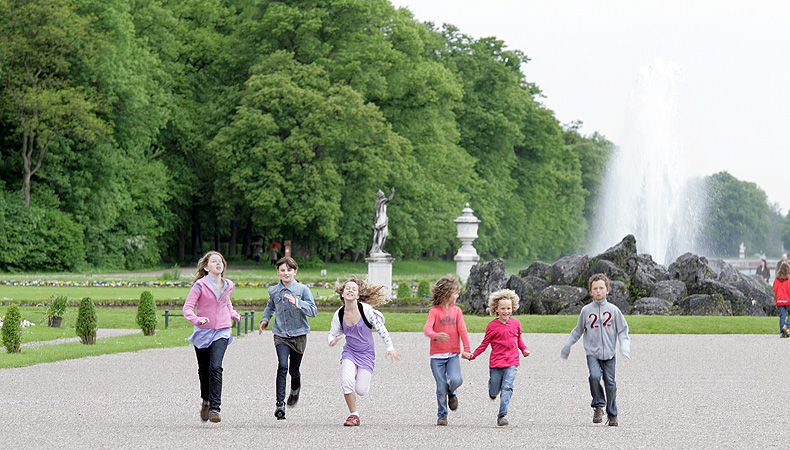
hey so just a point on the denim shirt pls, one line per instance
(290, 320)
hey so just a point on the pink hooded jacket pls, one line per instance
(219, 313)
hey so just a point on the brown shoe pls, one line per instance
(204, 411)
(452, 402)
(612, 421)
(598, 415)
(441, 421)
(213, 415)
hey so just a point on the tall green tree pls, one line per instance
(41, 43)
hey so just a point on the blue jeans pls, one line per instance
(500, 381)
(784, 317)
(447, 373)
(284, 352)
(600, 368)
(210, 371)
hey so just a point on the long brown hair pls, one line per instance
(372, 294)
(201, 267)
(444, 288)
(784, 271)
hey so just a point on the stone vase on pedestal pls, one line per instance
(467, 232)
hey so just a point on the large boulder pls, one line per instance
(672, 291)
(758, 296)
(622, 255)
(537, 269)
(692, 270)
(618, 295)
(484, 278)
(608, 268)
(646, 274)
(573, 270)
(651, 306)
(558, 298)
(705, 305)
(528, 290)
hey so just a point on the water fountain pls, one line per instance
(648, 191)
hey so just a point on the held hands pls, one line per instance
(466, 355)
(392, 354)
(335, 341)
(442, 336)
(263, 324)
(525, 352)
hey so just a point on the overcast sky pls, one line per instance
(733, 93)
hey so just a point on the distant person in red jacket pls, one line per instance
(445, 326)
(782, 297)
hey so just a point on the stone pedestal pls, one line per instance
(380, 270)
(467, 256)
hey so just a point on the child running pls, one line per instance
(291, 303)
(445, 326)
(209, 309)
(355, 319)
(602, 324)
(504, 335)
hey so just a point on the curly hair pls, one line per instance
(444, 288)
(598, 277)
(372, 294)
(201, 266)
(502, 294)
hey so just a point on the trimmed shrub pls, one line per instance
(86, 322)
(424, 289)
(146, 313)
(404, 290)
(12, 329)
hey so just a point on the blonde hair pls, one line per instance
(598, 277)
(201, 266)
(372, 294)
(444, 288)
(502, 294)
(784, 271)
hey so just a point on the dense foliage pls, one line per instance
(146, 313)
(87, 323)
(136, 133)
(12, 329)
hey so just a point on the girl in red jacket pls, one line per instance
(209, 309)
(782, 297)
(445, 325)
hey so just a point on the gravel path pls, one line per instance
(678, 391)
(100, 333)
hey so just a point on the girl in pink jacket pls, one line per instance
(209, 309)
(445, 327)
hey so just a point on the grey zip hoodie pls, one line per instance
(602, 324)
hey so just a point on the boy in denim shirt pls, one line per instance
(291, 303)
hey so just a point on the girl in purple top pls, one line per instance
(209, 309)
(355, 319)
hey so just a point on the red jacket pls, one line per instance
(782, 292)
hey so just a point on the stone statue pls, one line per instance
(380, 221)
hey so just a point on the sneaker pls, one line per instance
(213, 415)
(501, 421)
(612, 421)
(441, 421)
(352, 421)
(279, 413)
(598, 415)
(294, 397)
(492, 397)
(452, 402)
(204, 411)
(785, 332)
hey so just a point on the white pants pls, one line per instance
(354, 378)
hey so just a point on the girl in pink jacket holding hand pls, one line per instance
(445, 326)
(209, 309)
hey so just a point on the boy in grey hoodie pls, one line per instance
(602, 324)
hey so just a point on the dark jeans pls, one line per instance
(283, 368)
(210, 371)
